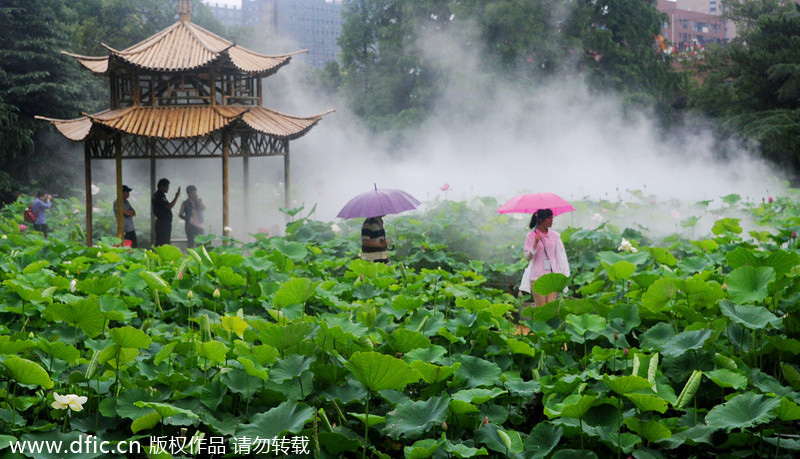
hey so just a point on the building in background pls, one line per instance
(313, 24)
(695, 24)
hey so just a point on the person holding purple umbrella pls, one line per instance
(374, 245)
(545, 251)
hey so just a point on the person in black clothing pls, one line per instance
(162, 209)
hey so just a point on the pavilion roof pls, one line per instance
(185, 46)
(186, 121)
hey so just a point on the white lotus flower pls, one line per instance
(95, 189)
(597, 218)
(626, 246)
(335, 228)
(71, 401)
(72, 285)
(227, 230)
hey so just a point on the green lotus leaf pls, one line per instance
(404, 340)
(660, 294)
(235, 324)
(752, 317)
(584, 326)
(685, 341)
(145, 421)
(59, 350)
(646, 402)
(432, 354)
(294, 250)
(726, 225)
(785, 344)
(98, 285)
(462, 450)
(787, 410)
(411, 419)
(25, 292)
(404, 303)
(478, 395)
(228, 278)
(574, 406)
(284, 336)
(611, 258)
(627, 384)
(295, 291)
(624, 317)
(662, 256)
(155, 282)
(422, 449)
(84, 313)
(542, 439)
(379, 372)
(620, 270)
(459, 407)
(742, 411)
(7, 346)
(293, 366)
(129, 337)
(431, 373)
(288, 417)
(213, 351)
(520, 347)
(693, 264)
(550, 283)
(727, 378)
(657, 336)
(747, 284)
(497, 439)
(253, 369)
(337, 442)
(473, 304)
(373, 420)
(652, 430)
(168, 253)
(477, 372)
(24, 371)
(702, 294)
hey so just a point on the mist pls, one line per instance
(487, 137)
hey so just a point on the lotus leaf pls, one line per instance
(574, 454)
(478, 396)
(727, 378)
(520, 347)
(129, 337)
(550, 283)
(293, 366)
(620, 270)
(542, 439)
(229, 279)
(431, 373)
(338, 442)
(288, 417)
(422, 449)
(685, 341)
(155, 282)
(403, 340)
(752, 317)
(497, 439)
(652, 430)
(28, 372)
(787, 410)
(84, 313)
(743, 410)
(477, 372)
(379, 372)
(371, 421)
(295, 291)
(627, 384)
(411, 419)
(213, 351)
(646, 402)
(747, 284)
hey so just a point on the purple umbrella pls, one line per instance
(377, 203)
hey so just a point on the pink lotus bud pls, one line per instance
(444, 425)
(770, 199)
(22, 227)
(626, 351)
(794, 234)
(180, 274)
(485, 420)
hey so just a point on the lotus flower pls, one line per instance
(95, 189)
(674, 214)
(22, 227)
(72, 284)
(445, 187)
(626, 246)
(335, 228)
(71, 401)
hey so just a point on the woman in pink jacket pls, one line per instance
(545, 251)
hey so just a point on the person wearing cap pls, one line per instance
(162, 209)
(127, 216)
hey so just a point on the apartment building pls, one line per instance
(695, 23)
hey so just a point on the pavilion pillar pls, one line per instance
(286, 196)
(226, 147)
(87, 164)
(246, 181)
(152, 148)
(118, 161)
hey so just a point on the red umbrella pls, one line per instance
(530, 203)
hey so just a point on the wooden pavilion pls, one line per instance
(184, 93)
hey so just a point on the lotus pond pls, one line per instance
(678, 343)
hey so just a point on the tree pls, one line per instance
(35, 79)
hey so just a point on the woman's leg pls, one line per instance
(552, 297)
(539, 300)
